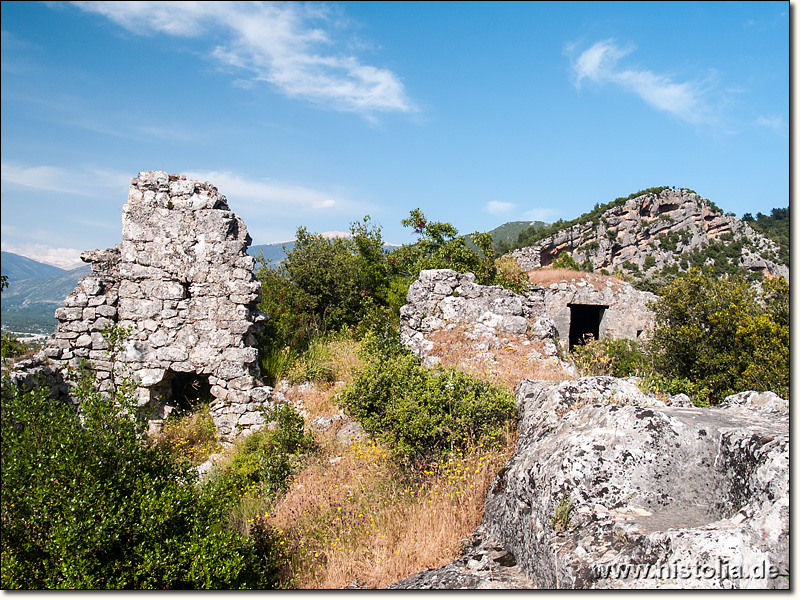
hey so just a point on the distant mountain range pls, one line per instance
(34, 292)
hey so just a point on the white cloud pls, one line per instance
(280, 198)
(285, 44)
(87, 181)
(496, 207)
(772, 121)
(64, 258)
(600, 64)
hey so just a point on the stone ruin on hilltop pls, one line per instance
(182, 282)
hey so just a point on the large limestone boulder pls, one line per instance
(612, 488)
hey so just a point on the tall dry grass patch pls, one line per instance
(351, 516)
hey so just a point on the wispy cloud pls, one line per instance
(290, 45)
(496, 207)
(772, 122)
(600, 64)
(87, 181)
(279, 197)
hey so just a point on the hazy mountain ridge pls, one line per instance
(17, 267)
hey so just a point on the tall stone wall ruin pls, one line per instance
(182, 283)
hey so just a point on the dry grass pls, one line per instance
(350, 515)
(506, 366)
(192, 437)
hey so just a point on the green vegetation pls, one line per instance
(263, 462)
(564, 260)
(775, 227)
(718, 334)
(424, 414)
(615, 358)
(562, 516)
(326, 286)
(712, 337)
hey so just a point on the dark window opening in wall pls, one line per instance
(187, 391)
(584, 322)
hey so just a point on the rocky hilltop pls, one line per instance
(672, 230)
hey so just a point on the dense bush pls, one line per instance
(617, 358)
(263, 462)
(423, 413)
(564, 260)
(722, 336)
(11, 347)
(775, 227)
(87, 505)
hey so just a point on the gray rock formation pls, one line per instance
(441, 298)
(484, 565)
(661, 226)
(612, 488)
(182, 282)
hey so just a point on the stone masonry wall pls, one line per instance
(182, 281)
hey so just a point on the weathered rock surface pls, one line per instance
(484, 565)
(182, 282)
(700, 496)
(661, 226)
(442, 299)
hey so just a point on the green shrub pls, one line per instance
(11, 347)
(262, 464)
(87, 505)
(617, 358)
(721, 335)
(422, 413)
(564, 260)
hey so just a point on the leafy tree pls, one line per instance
(439, 247)
(720, 334)
(323, 285)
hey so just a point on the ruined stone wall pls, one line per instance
(182, 282)
(627, 315)
(441, 299)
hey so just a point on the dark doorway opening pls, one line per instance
(188, 390)
(584, 321)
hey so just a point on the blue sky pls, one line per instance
(318, 114)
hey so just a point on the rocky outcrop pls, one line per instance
(182, 283)
(611, 487)
(484, 565)
(442, 299)
(650, 232)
